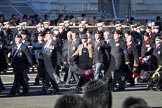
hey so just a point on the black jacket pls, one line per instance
(99, 51)
(133, 53)
(119, 54)
(23, 57)
(157, 53)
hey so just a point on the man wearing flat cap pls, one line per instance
(84, 53)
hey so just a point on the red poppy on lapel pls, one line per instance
(129, 46)
(51, 46)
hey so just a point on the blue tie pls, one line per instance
(15, 51)
(45, 50)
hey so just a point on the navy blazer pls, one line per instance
(50, 53)
(23, 57)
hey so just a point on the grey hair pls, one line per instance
(107, 32)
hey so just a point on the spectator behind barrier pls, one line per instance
(139, 106)
(130, 102)
(97, 95)
(70, 101)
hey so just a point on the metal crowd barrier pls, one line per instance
(75, 28)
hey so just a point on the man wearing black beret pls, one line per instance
(20, 59)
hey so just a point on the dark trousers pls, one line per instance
(40, 70)
(128, 72)
(116, 70)
(46, 79)
(20, 79)
(66, 69)
(57, 70)
(82, 81)
(115, 78)
(1, 85)
(70, 76)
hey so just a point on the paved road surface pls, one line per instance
(35, 100)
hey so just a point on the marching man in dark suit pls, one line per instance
(98, 55)
(133, 58)
(66, 54)
(156, 65)
(106, 60)
(157, 52)
(39, 58)
(119, 57)
(50, 61)
(50, 58)
(73, 47)
(20, 59)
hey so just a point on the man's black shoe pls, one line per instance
(1, 89)
(78, 90)
(132, 85)
(36, 83)
(44, 93)
(67, 85)
(149, 87)
(24, 93)
(55, 92)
